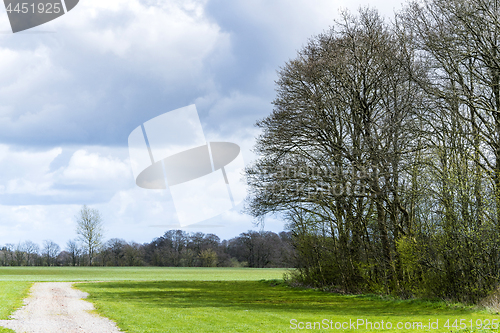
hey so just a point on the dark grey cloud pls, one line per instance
(94, 85)
(111, 66)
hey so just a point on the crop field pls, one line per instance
(234, 300)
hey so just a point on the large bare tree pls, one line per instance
(383, 152)
(337, 145)
(90, 230)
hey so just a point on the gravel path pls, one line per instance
(55, 307)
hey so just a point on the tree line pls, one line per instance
(176, 248)
(382, 152)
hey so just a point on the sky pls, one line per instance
(72, 91)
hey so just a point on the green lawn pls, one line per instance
(51, 274)
(257, 306)
(11, 298)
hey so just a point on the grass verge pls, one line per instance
(11, 298)
(259, 306)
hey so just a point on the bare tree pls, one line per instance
(9, 254)
(19, 255)
(90, 230)
(74, 252)
(383, 152)
(113, 252)
(458, 43)
(50, 251)
(258, 248)
(337, 146)
(31, 250)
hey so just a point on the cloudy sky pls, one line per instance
(72, 90)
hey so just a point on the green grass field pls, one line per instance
(11, 298)
(258, 306)
(52, 274)
(228, 300)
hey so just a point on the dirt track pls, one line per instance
(54, 307)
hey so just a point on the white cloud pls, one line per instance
(23, 172)
(37, 223)
(94, 170)
(171, 38)
(90, 169)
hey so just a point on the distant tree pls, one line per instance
(31, 249)
(19, 255)
(176, 248)
(50, 251)
(208, 258)
(258, 249)
(90, 230)
(64, 258)
(9, 254)
(133, 255)
(113, 252)
(174, 242)
(74, 252)
(188, 258)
